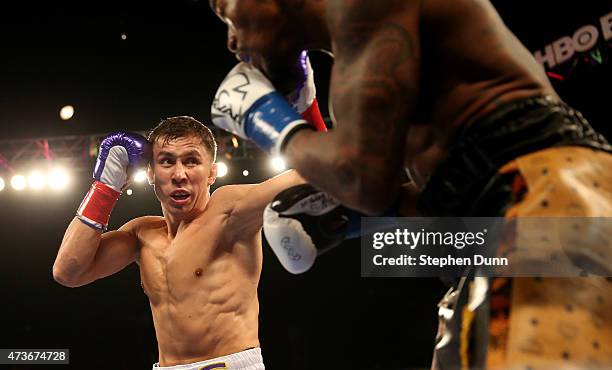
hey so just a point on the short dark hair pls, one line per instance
(175, 127)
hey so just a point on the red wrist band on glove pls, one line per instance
(97, 205)
(313, 115)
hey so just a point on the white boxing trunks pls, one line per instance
(249, 359)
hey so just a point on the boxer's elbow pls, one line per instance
(65, 275)
(62, 278)
(369, 190)
(375, 196)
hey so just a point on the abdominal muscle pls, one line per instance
(193, 331)
(203, 299)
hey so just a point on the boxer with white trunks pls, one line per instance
(200, 262)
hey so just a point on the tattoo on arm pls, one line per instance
(375, 83)
(373, 88)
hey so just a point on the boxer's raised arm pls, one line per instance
(373, 90)
(86, 254)
(246, 215)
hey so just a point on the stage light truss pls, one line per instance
(79, 152)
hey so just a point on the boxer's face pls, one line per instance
(182, 173)
(261, 32)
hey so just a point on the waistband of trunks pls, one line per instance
(250, 358)
(510, 131)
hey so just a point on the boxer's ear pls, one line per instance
(150, 175)
(212, 175)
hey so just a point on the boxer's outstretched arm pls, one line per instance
(373, 90)
(86, 254)
(246, 215)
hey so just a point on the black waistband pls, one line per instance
(512, 130)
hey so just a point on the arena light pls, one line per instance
(140, 176)
(58, 178)
(2, 184)
(18, 182)
(36, 180)
(221, 169)
(67, 112)
(278, 164)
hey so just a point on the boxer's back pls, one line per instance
(471, 62)
(202, 286)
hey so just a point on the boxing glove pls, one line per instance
(301, 223)
(118, 152)
(247, 105)
(304, 98)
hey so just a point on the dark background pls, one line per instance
(71, 52)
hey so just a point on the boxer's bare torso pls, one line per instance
(442, 64)
(407, 75)
(201, 283)
(199, 264)
(469, 64)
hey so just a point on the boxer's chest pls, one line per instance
(172, 269)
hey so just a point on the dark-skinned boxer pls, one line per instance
(445, 90)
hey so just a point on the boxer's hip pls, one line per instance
(550, 322)
(470, 183)
(530, 158)
(249, 359)
(561, 323)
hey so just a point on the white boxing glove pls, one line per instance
(301, 223)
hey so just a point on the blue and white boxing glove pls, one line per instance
(247, 105)
(118, 152)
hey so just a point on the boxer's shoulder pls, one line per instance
(144, 224)
(226, 199)
(229, 194)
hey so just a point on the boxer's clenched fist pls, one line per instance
(247, 105)
(118, 152)
(301, 223)
(304, 98)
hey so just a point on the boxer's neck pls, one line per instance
(176, 220)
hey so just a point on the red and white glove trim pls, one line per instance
(304, 99)
(97, 205)
(313, 115)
